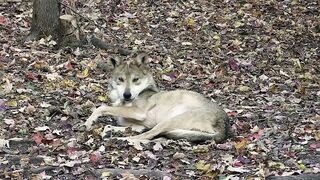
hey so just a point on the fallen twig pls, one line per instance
(296, 177)
(140, 172)
(103, 45)
(41, 169)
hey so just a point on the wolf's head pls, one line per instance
(130, 78)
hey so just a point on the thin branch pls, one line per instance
(296, 177)
(137, 173)
(41, 169)
(103, 45)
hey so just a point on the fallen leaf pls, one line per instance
(202, 166)
(191, 21)
(12, 103)
(103, 98)
(237, 169)
(243, 88)
(314, 146)
(37, 138)
(105, 174)
(70, 163)
(7, 86)
(200, 149)
(31, 75)
(3, 20)
(9, 121)
(234, 65)
(41, 128)
(186, 43)
(4, 143)
(84, 73)
(68, 65)
(157, 146)
(43, 175)
(238, 24)
(178, 155)
(165, 77)
(95, 157)
(128, 176)
(241, 145)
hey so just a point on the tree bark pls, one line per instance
(45, 20)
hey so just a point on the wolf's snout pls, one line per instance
(127, 95)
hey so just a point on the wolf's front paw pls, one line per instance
(88, 127)
(87, 124)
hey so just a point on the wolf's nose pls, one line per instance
(127, 95)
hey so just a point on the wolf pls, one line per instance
(178, 114)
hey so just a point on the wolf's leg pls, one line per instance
(122, 111)
(155, 131)
(94, 116)
(196, 125)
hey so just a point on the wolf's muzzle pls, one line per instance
(127, 96)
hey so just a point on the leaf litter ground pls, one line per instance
(258, 59)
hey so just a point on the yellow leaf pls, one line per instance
(191, 21)
(276, 165)
(212, 174)
(49, 86)
(306, 76)
(95, 87)
(243, 88)
(216, 37)
(273, 88)
(302, 166)
(92, 65)
(317, 136)
(67, 83)
(297, 63)
(106, 174)
(202, 166)
(238, 24)
(84, 73)
(174, 14)
(96, 132)
(236, 42)
(241, 145)
(12, 103)
(102, 98)
(200, 149)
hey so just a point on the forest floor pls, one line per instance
(259, 59)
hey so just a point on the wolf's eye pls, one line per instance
(135, 79)
(120, 79)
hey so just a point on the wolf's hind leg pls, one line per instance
(155, 131)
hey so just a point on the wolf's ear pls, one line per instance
(142, 59)
(114, 61)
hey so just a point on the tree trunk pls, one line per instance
(45, 20)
